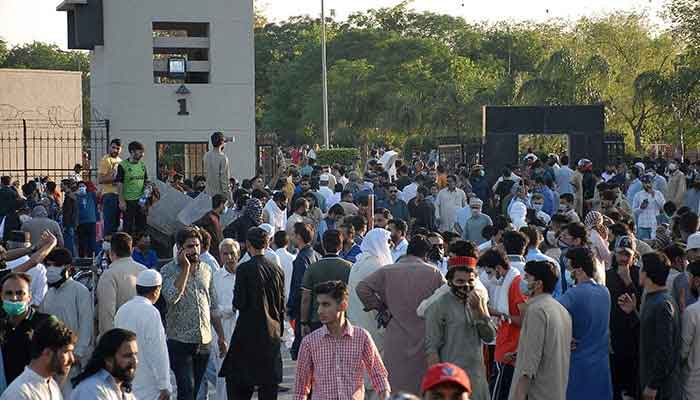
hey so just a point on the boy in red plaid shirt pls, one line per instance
(334, 359)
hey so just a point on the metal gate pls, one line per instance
(51, 148)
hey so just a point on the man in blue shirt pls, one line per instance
(110, 370)
(589, 306)
(397, 207)
(635, 184)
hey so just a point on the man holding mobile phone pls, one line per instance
(455, 326)
(647, 205)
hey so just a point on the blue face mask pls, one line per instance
(14, 308)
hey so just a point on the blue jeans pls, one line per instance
(188, 361)
(643, 233)
(110, 213)
(69, 239)
(210, 376)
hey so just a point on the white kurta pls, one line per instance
(30, 385)
(287, 264)
(224, 281)
(153, 373)
(446, 206)
(690, 352)
(72, 303)
(357, 316)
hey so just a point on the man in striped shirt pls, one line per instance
(335, 358)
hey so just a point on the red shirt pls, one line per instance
(336, 366)
(508, 334)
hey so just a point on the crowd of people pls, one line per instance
(406, 280)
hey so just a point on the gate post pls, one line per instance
(107, 132)
(24, 141)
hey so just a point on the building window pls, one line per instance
(180, 52)
(180, 158)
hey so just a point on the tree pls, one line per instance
(3, 51)
(685, 17)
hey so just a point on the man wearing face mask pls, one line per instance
(676, 184)
(647, 204)
(541, 217)
(274, 212)
(17, 321)
(70, 302)
(623, 279)
(589, 306)
(436, 256)
(566, 207)
(476, 222)
(544, 349)
(505, 305)
(690, 351)
(455, 326)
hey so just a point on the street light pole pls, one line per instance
(326, 137)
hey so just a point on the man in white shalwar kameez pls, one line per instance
(72, 303)
(152, 380)
(224, 281)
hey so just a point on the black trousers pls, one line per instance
(239, 392)
(625, 376)
(134, 218)
(501, 380)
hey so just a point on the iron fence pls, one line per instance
(51, 148)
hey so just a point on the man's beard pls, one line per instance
(57, 366)
(124, 375)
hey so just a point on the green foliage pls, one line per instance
(685, 16)
(343, 156)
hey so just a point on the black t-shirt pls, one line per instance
(16, 342)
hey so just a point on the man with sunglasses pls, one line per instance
(397, 207)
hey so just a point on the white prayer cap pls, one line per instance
(640, 165)
(149, 278)
(324, 178)
(268, 228)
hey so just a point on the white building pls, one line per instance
(169, 73)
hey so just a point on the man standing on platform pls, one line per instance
(107, 175)
(217, 168)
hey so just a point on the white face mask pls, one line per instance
(106, 246)
(538, 207)
(54, 274)
(82, 190)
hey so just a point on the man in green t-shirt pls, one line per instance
(131, 183)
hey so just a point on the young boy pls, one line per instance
(334, 358)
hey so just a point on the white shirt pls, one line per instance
(409, 192)
(210, 260)
(399, 250)
(269, 254)
(365, 266)
(153, 373)
(38, 274)
(646, 218)
(487, 245)
(327, 193)
(287, 264)
(446, 206)
(224, 281)
(73, 304)
(690, 351)
(32, 386)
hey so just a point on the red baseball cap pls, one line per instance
(445, 372)
(461, 260)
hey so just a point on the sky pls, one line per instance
(23, 21)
